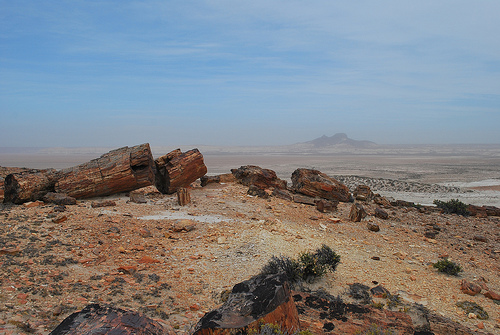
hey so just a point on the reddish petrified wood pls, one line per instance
(183, 196)
(177, 169)
(316, 184)
(102, 320)
(263, 299)
(29, 185)
(484, 210)
(222, 178)
(1, 190)
(357, 213)
(255, 175)
(120, 170)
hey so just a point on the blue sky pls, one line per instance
(226, 72)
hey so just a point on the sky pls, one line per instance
(262, 72)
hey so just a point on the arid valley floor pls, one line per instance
(172, 263)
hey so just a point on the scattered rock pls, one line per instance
(282, 194)
(59, 199)
(379, 291)
(138, 198)
(304, 199)
(183, 225)
(357, 212)
(373, 227)
(222, 178)
(59, 219)
(381, 201)
(256, 191)
(31, 204)
(469, 288)
(363, 193)
(480, 238)
(380, 213)
(313, 183)
(492, 295)
(255, 175)
(103, 203)
(326, 206)
(183, 196)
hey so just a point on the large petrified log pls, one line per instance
(1, 189)
(97, 319)
(255, 175)
(177, 169)
(263, 299)
(29, 185)
(317, 184)
(120, 170)
(484, 210)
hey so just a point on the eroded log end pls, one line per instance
(29, 185)
(263, 299)
(177, 169)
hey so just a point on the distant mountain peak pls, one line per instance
(339, 139)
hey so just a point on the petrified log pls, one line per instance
(317, 184)
(29, 185)
(357, 213)
(177, 169)
(59, 199)
(120, 170)
(263, 299)
(325, 206)
(330, 315)
(1, 190)
(363, 193)
(484, 210)
(97, 319)
(183, 196)
(255, 175)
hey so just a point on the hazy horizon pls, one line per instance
(225, 73)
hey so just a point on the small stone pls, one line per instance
(144, 232)
(334, 220)
(104, 203)
(121, 249)
(138, 198)
(195, 307)
(472, 316)
(380, 213)
(469, 288)
(375, 258)
(32, 204)
(480, 325)
(59, 219)
(480, 238)
(147, 260)
(221, 240)
(357, 213)
(492, 295)
(373, 227)
(400, 254)
(379, 291)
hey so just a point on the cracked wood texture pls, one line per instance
(28, 185)
(120, 170)
(176, 169)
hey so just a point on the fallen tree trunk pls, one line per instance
(120, 170)
(29, 185)
(261, 300)
(177, 169)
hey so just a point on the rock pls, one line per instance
(316, 184)
(29, 185)
(469, 288)
(255, 175)
(60, 219)
(442, 325)
(492, 295)
(222, 178)
(363, 193)
(104, 319)
(31, 204)
(326, 206)
(184, 225)
(381, 201)
(256, 191)
(104, 203)
(183, 196)
(381, 214)
(59, 199)
(431, 234)
(282, 194)
(147, 260)
(373, 227)
(483, 211)
(379, 291)
(321, 313)
(357, 212)
(138, 198)
(263, 299)
(480, 238)
(304, 199)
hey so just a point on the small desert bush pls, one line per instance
(308, 267)
(448, 267)
(472, 307)
(454, 206)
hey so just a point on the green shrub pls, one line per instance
(308, 267)
(448, 267)
(454, 206)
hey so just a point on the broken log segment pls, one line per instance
(183, 196)
(263, 299)
(177, 169)
(255, 175)
(97, 319)
(29, 185)
(317, 184)
(120, 170)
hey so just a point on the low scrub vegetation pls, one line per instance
(308, 267)
(448, 267)
(454, 206)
